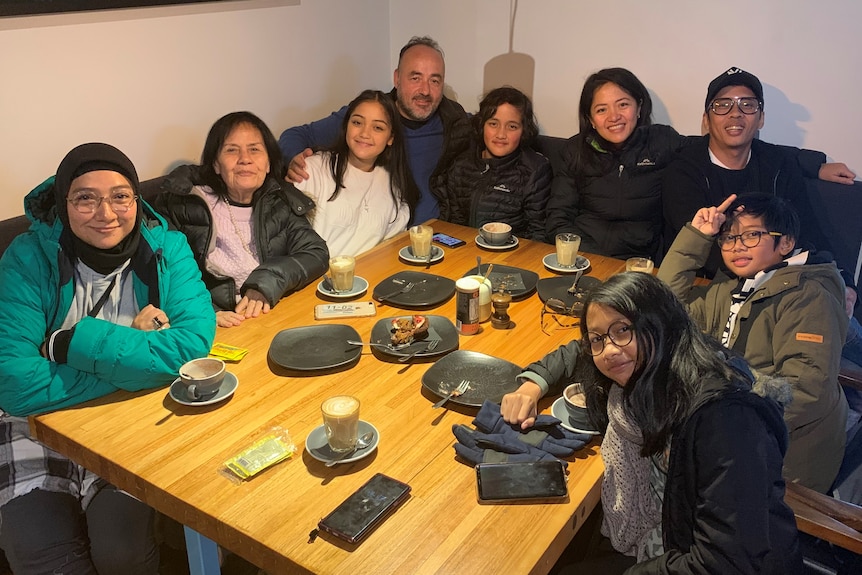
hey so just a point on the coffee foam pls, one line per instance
(340, 406)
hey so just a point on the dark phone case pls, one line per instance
(365, 508)
(533, 482)
(455, 243)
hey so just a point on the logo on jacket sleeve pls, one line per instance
(503, 188)
(646, 162)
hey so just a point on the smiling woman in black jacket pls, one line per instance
(500, 178)
(609, 189)
(245, 224)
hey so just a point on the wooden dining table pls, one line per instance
(172, 456)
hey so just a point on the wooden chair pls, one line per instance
(825, 517)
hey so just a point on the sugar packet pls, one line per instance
(265, 452)
(228, 352)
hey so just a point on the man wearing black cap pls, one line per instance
(730, 160)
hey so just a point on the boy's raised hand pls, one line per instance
(708, 221)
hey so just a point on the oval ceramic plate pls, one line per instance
(558, 410)
(314, 347)
(406, 254)
(228, 386)
(317, 446)
(360, 286)
(550, 262)
(512, 243)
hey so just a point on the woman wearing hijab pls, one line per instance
(246, 226)
(98, 296)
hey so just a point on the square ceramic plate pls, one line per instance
(519, 282)
(314, 347)
(429, 290)
(490, 377)
(439, 328)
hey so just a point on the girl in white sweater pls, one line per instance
(362, 185)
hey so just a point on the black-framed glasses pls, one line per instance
(749, 239)
(87, 203)
(557, 315)
(723, 106)
(619, 333)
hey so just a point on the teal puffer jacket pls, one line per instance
(38, 288)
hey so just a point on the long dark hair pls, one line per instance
(674, 358)
(393, 158)
(515, 98)
(215, 140)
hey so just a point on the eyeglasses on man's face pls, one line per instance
(723, 106)
(557, 315)
(88, 202)
(749, 239)
(619, 333)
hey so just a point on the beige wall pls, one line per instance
(806, 54)
(152, 81)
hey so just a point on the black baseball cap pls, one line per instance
(734, 77)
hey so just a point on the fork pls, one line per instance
(432, 345)
(405, 289)
(462, 387)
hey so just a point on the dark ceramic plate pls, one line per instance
(558, 287)
(314, 347)
(429, 290)
(439, 328)
(519, 282)
(490, 377)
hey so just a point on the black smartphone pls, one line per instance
(536, 482)
(447, 240)
(365, 509)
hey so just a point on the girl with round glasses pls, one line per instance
(693, 442)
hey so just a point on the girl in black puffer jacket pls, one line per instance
(500, 178)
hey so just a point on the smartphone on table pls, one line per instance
(448, 241)
(365, 509)
(532, 482)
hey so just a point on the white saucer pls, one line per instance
(317, 446)
(559, 411)
(228, 386)
(406, 254)
(512, 243)
(550, 261)
(360, 286)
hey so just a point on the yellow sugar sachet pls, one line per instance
(265, 452)
(228, 352)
